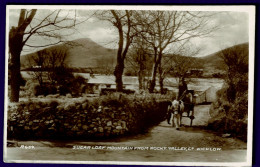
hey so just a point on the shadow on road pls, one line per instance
(194, 129)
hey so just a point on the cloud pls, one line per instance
(233, 29)
(13, 17)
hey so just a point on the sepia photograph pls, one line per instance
(134, 85)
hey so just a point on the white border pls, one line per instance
(233, 8)
(251, 84)
(250, 9)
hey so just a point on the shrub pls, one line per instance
(77, 85)
(229, 117)
(65, 83)
(34, 89)
(218, 75)
(222, 124)
(68, 83)
(232, 105)
(61, 75)
(63, 89)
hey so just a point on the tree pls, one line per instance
(124, 23)
(55, 61)
(49, 26)
(121, 19)
(16, 44)
(37, 64)
(165, 68)
(236, 61)
(139, 61)
(162, 28)
(48, 62)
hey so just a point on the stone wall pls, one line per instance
(84, 120)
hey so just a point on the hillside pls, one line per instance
(83, 53)
(215, 62)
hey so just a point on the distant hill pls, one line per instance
(214, 63)
(83, 53)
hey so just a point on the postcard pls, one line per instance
(138, 85)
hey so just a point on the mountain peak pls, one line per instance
(87, 54)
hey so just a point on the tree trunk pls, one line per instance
(155, 67)
(119, 69)
(118, 75)
(161, 85)
(15, 46)
(140, 79)
(141, 72)
(153, 80)
(15, 75)
(161, 78)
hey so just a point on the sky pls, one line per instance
(233, 29)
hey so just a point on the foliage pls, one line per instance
(36, 89)
(230, 117)
(77, 85)
(66, 83)
(218, 75)
(231, 108)
(236, 60)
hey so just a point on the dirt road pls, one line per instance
(162, 144)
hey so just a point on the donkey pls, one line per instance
(175, 109)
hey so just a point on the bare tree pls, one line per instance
(139, 59)
(49, 26)
(54, 61)
(165, 67)
(123, 21)
(37, 64)
(162, 28)
(45, 63)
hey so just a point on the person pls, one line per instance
(182, 87)
(169, 112)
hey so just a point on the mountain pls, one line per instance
(85, 53)
(82, 53)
